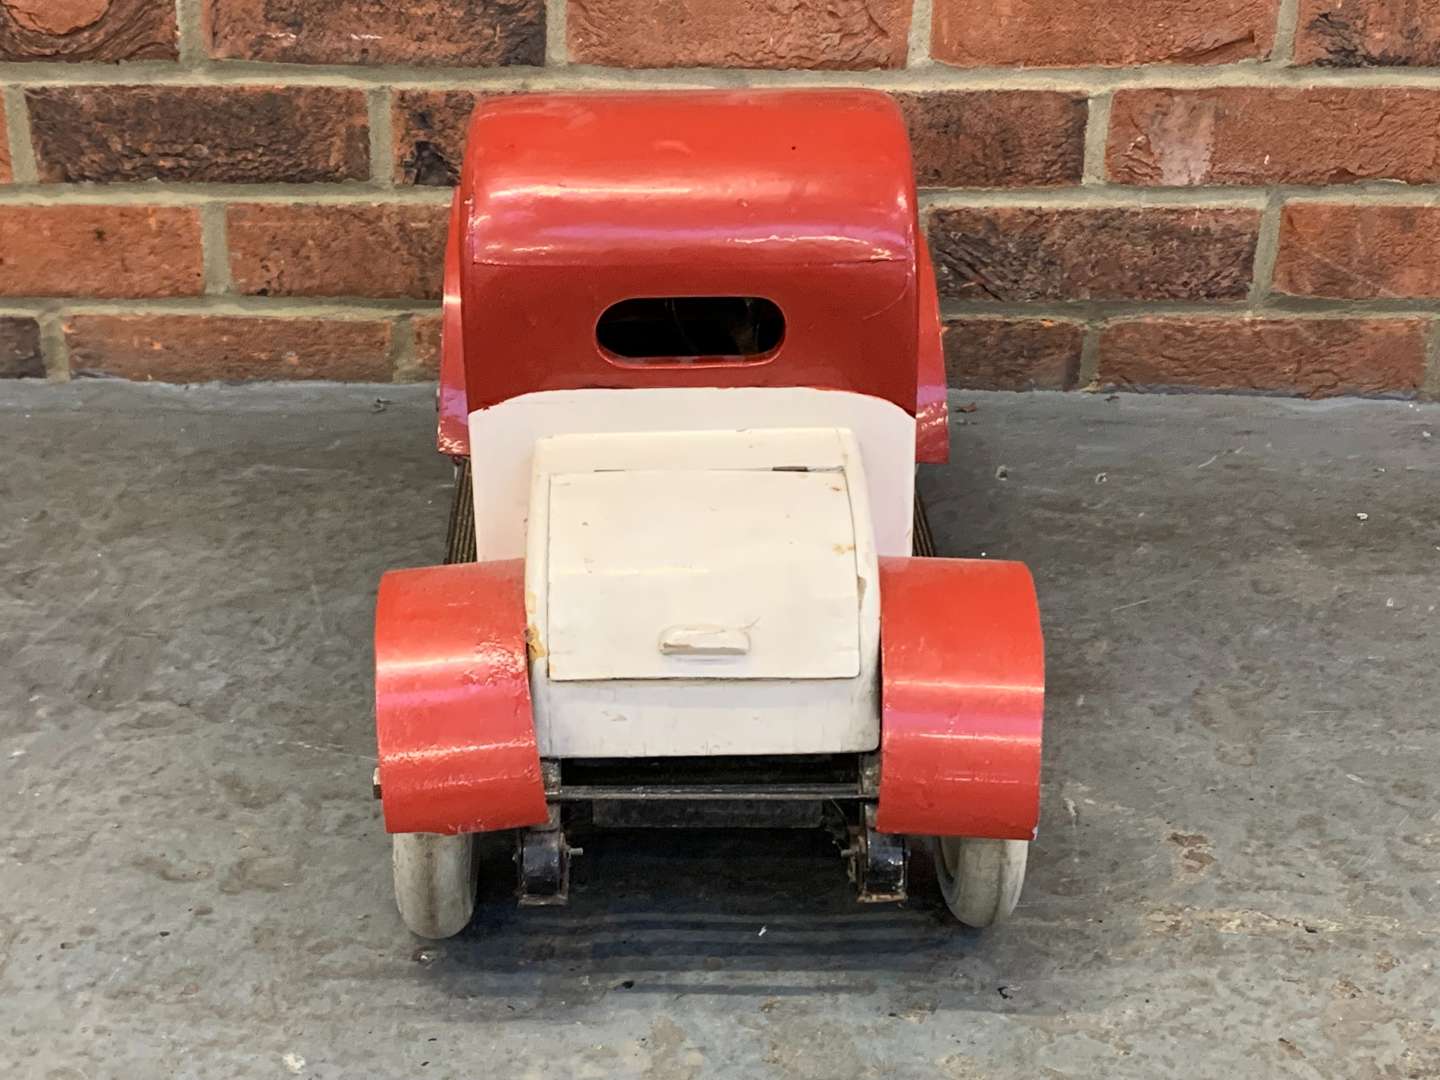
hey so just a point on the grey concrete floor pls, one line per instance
(1237, 875)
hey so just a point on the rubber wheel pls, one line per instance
(981, 879)
(434, 882)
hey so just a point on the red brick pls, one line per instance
(427, 346)
(1012, 354)
(1035, 253)
(87, 30)
(1309, 357)
(1368, 33)
(1082, 33)
(346, 249)
(848, 35)
(201, 134)
(105, 251)
(20, 356)
(429, 130)
(1359, 252)
(209, 348)
(1252, 135)
(1006, 138)
(6, 175)
(460, 33)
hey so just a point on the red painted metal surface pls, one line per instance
(963, 689)
(453, 436)
(932, 408)
(452, 700)
(569, 203)
(573, 202)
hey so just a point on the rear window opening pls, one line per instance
(691, 329)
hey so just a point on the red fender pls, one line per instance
(452, 700)
(962, 698)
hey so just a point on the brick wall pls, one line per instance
(1132, 193)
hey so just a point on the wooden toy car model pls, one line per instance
(691, 356)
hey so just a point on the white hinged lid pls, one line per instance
(702, 573)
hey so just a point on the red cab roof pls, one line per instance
(570, 204)
(789, 177)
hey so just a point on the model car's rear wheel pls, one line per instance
(434, 882)
(981, 879)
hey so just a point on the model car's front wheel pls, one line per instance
(981, 879)
(434, 882)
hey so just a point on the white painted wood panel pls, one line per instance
(519, 445)
(503, 440)
(702, 573)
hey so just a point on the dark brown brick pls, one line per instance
(1012, 354)
(6, 174)
(20, 356)
(1368, 33)
(1032, 253)
(1359, 252)
(106, 251)
(1082, 33)
(87, 30)
(1309, 357)
(815, 34)
(1003, 138)
(201, 134)
(459, 33)
(210, 348)
(1254, 135)
(429, 130)
(345, 249)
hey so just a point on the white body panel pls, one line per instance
(704, 573)
(676, 645)
(502, 444)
